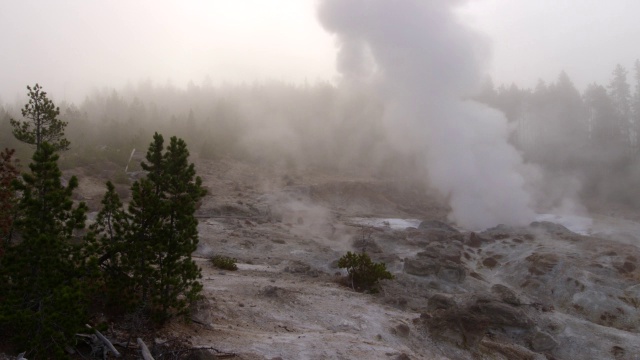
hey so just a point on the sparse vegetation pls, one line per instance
(135, 259)
(224, 262)
(139, 250)
(363, 273)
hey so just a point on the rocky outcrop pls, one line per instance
(435, 231)
(475, 241)
(442, 260)
(505, 294)
(487, 324)
(467, 321)
(551, 228)
(437, 225)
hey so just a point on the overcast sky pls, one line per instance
(534, 39)
(72, 46)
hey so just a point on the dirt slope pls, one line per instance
(537, 292)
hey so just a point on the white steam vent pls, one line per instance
(424, 63)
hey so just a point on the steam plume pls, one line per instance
(424, 63)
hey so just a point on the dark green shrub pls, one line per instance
(363, 274)
(224, 262)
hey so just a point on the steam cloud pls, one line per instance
(424, 63)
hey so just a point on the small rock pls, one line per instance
(421, 266)
(440, 301)
(272, 291)
(542, 263)
(402, 330)
(542, 341)
(474, 240)
(625, 268)
(617, 352)
(452, 272)
(501, 314)
(505, 294)
(490, 262)
(555, 326)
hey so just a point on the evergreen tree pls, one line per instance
(568, 134)
(487, 93)
(107, 241)
(606, 142)
(147, 250)
(6, 137)
(43, 303)
(620, 93)
(177, 282)
(635, 106)
(530, 124)
(552, 130)
(8, 173)
(511, 101)
(42, 124)
(165, 228)
(146, 219)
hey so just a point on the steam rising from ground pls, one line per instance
(424, 63)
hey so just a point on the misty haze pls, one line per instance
(331, 179)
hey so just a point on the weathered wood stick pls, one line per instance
(146, 354)
(105, 341)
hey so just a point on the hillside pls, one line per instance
(534, 292)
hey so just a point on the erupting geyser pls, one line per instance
(424, 63)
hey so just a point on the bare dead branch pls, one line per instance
(106, 341)
(146, 354)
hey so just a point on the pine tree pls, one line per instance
(107, 242)
(42, 124)
(165, 228)
(620, 93)
(43, 301)
(147, 250)
(8, 173)
(146, 212)
(566, 133)
(606, 143)
(177, 283)
(635, 106)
